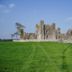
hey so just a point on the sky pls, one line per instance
(30, 12)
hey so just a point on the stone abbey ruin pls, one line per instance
(43, 32)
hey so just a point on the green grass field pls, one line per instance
(35, 57)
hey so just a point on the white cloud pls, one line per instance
(6, 8)
(6, 11)
(69, 18)
(2, 6)
(11, 5)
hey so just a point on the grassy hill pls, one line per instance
(35, 57)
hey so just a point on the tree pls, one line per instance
(20, 30)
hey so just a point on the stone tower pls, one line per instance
(47, 31)
(51, 31)
(58, 33)
(40, 30)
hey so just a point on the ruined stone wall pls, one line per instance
(44, 31)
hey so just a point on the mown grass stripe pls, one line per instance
(29, 60)
(49, 59)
